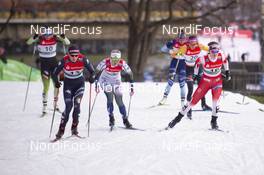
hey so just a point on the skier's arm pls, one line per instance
(226, 67)
(33, 39)
(225, 62)
(128, 71)
(62, 38)
(198, 62)
(100, 67)
(56, 72)
(166, 47)
(88, 65)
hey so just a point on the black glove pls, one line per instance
(62, 36)
(58, 84)
(227, 75)
(91, 79)
(131, 89)
(195, 77)
(35, 36)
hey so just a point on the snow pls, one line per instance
(189, 148)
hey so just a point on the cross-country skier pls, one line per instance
(109, 71)
(72, 65)
(211, 80)
(47, 48)
(191, 51)
(177, 66)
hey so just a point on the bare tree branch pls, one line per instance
(209, 12)
(121, 4)
(12, 12)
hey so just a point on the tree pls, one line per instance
(11, 14)
(142, 28)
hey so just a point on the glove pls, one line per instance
(58, 84)
(91, 79)
(227, 75)
(195, 77)
(97, 89)
(131, 89)
(62, 36)
(169, 44)
(35, 36)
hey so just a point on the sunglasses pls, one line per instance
(74, 55)
(214, 51)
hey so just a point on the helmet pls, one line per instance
(47, 32)
(115, 56)
(213, 45)
(192, 39)
(213, 50)
(181, 36)
(73, 50)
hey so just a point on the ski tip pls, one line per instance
(164, 129)
(132, 128)
(220, 130)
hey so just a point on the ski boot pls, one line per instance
(175, 120)
(214, 122)
(111, 120)
(189, 114)
(163, 100)
(127, 123)
(74, 129)
(60, 133)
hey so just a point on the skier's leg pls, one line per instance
(52, 65)
(122, 109)
(189, 95)
(45, 76)
(216, 93)
(68, 95)
(119, 100)
(181, 78)
(171, 79)
(201, 90)
(205, 107)
(76, 109)
(108, 90)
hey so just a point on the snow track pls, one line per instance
(189, 148)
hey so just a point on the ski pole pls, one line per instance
(89, 115)
(54, 110)
(29, 77)
(92, 107)
(128, 111)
